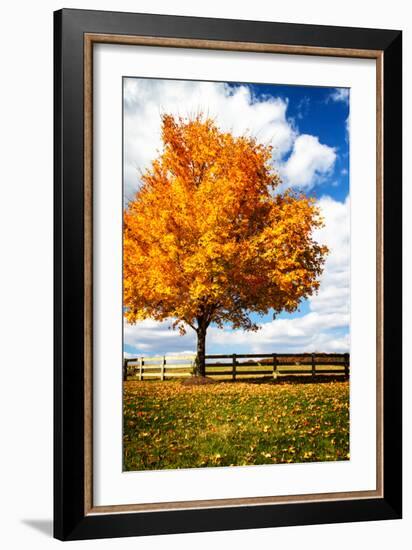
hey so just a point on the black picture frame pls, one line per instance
(71, 522)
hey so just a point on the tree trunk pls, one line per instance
(201, 351)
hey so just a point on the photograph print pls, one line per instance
(236, 274)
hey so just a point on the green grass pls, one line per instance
(168, 425)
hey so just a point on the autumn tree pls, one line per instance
(209, 238)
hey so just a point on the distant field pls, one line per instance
(264, 366)
(168, 425)
(251, 369)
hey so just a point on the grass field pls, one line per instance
(168, 425)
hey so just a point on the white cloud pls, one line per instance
(150, 337)
(324, 328)
(347, 126)
(309, 333)
(334, 291)
(339, 94)
(309, 161)
(303, 107)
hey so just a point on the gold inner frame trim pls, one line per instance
(89, 40)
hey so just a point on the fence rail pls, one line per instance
(238, 366)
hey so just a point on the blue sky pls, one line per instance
(308, 128)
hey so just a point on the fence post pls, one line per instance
(124, 370)
(347, 365)
(313, 366)
(275, 366)
(234, 366)
(162, 368)
(140, 367)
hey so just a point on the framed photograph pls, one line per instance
(227, 274)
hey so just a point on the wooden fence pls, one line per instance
(239, 366)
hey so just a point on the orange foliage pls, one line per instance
(208, 238)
